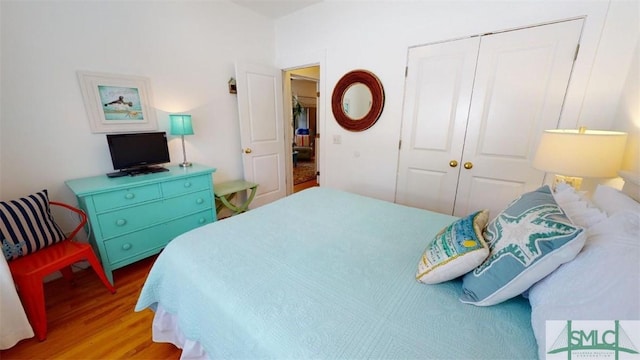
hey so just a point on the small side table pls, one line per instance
(226, 191)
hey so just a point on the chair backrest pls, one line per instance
(83, 218)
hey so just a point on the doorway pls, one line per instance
(303, 93)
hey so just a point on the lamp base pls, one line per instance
(574, 182)
(185, 163)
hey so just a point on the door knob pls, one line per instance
(453, 163)
(468, 165)
(247, 151)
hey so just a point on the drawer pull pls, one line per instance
(202, 220)
(187, 184)
(199, 201)
(130, 196)
(126, 246)
(121, 222)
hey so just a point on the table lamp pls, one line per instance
(181, 125)
(576, 153)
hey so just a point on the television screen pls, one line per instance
(138, 150)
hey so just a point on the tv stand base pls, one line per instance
(137, 171)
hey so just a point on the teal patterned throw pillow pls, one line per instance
(527, 241)
(455, 250)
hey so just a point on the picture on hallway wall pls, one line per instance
(117, 103)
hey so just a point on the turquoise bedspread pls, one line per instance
(326, 274)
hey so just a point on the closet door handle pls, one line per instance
(453, 163)
(247, 151)
(468, 165)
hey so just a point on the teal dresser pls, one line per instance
(133, 217)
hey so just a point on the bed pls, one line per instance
(337, 280)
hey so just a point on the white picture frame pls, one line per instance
(117, 103)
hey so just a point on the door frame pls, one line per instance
(298, 60)
(289, 76)
(287, 110)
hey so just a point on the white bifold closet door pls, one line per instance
(473, 113)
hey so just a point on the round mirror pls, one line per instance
(357, 100)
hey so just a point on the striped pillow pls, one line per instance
(26, 225)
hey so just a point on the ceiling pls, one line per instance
(275, 9)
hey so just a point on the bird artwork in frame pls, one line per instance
(117, 103)
(120, 103)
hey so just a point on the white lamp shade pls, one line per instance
(592, 153)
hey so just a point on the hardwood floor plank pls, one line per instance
(85, 321)
(304, 185)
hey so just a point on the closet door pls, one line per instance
(473, 114)
(437, 96)
(519, 90)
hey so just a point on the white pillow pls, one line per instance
(613, 201)
(601, 283)
(578, 209)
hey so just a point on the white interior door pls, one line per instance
(437, 96)
(519, 90)
(259, 90)
(473, 113)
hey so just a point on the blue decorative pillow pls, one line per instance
(527, 241)
(455, 250)
(26, 225)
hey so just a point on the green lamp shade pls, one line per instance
(181, 125)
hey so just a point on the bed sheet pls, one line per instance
(15, 325)
(326, 274)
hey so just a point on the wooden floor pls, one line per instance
(304, 185)
(85, 321)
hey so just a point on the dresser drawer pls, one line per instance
(182, 186)
(127, 220)
(143, 243)
(126, 197)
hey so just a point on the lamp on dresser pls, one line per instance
(573, 154)
(181, 125)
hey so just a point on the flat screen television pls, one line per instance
(138, 153)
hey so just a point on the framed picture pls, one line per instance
(117, 103)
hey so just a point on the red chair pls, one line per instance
(29, 271)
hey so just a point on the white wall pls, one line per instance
(1, 195)
(347, 35)
(612, 65)
(187, 49)
(628, 114)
